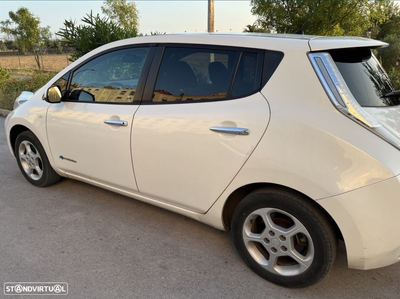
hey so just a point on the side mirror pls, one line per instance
(54, 94)
(81, 95)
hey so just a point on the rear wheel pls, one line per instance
(33, 162)
(283, 238)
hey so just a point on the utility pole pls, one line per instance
(210, 15)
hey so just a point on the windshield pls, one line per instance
(365, 77)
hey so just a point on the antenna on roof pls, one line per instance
(308, 16)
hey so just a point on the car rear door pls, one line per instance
(201, 117)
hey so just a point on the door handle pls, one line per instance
(231, 130)
(113, 122)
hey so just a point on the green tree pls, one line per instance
(44, 37)
(124, 13)
(2, 46)
(255, 28)
(394, 74)
(57, 45)
(24, 27)
(381, 15)
(389, 27)
(43, 42)
(94, 32)
(391, 24)
(157, 33)
(390, 56)
(4, 75)
(320, 17)
(10, 45)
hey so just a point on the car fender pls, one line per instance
(32, 115)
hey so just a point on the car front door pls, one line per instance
(89, 131)
(201, 118)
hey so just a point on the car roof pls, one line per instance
(259, 40)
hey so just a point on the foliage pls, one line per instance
(391, 55)
(391, 24)
(94, 32)
(255, 28)
(44, 37)
(157, 33)
(321, 17)
(11, 88)
(10, 45)
(124, 13)
(394, 75)
(390, 58)
(24, 27)
(4, 75)
(57, 45)
(375, 19)
(379, 13)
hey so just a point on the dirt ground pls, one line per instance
(51, 62)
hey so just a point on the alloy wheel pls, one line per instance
(31, 160)
(278, 242)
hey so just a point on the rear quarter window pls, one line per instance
(365, 77)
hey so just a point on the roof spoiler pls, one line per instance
(328, 43)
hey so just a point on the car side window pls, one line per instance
(189, 74)
(63, 82)
(112, 77)
(248, 79)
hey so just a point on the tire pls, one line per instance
(283, 238)
(33, 162)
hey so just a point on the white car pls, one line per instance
(292, 142)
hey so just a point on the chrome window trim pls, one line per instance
(323, 57)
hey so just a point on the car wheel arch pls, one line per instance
(15, 131)
(19, 128)
(239, 194)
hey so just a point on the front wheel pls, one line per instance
(33, 162)
(283, 238)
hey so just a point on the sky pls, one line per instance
(162, 15)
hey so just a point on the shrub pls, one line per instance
(4, 75)
(394, 75)
(94, 32)
(389, 56)
(12, 87)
